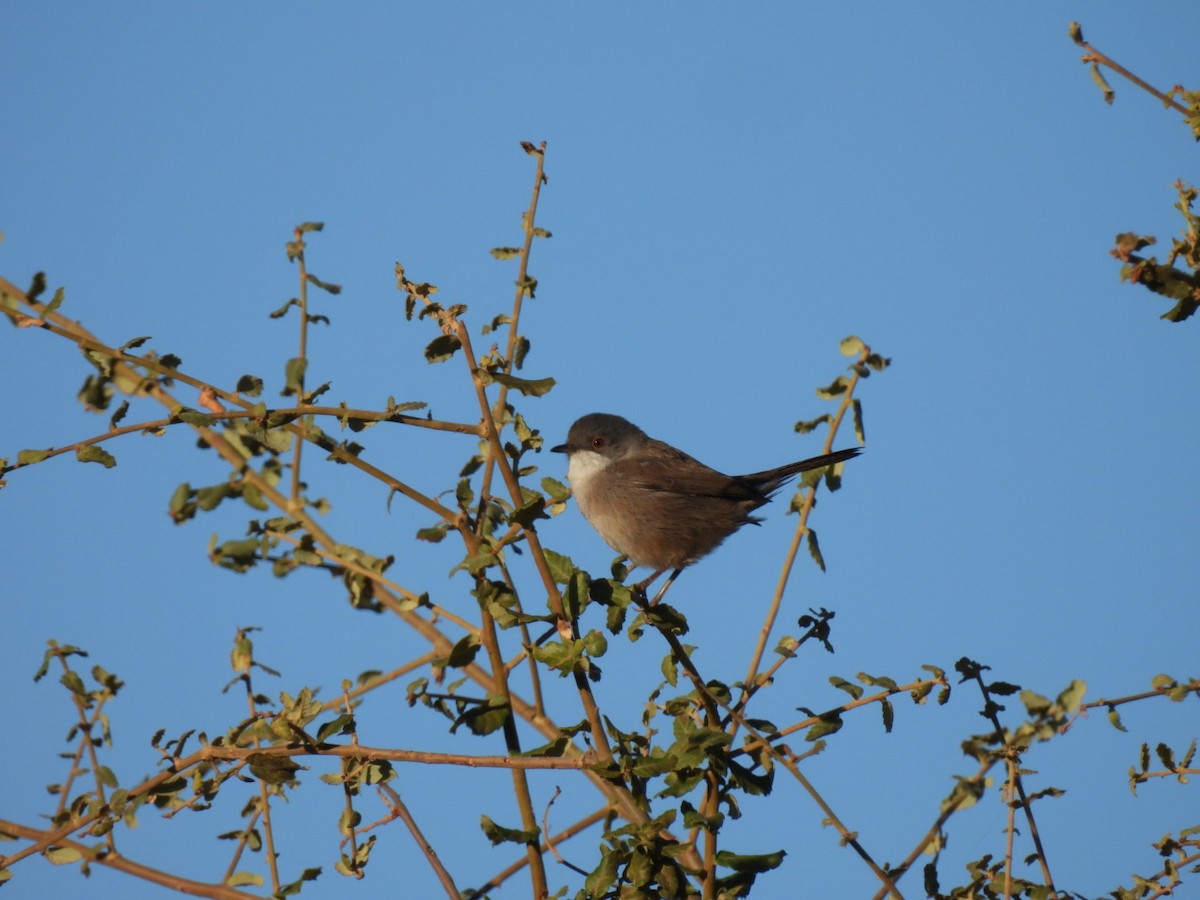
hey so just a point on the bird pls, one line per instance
(658, 506)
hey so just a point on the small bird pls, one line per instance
(657, 505)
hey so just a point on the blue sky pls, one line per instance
(732, 191)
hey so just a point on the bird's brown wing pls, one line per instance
(660, 468)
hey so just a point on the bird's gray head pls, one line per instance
(601, 438)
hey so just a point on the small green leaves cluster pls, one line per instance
(830, 722)
(1179, 767)
(1181, 284)
(636, 861)
(1180, 855)
(480, 715)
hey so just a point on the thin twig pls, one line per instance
(1011, 827)
(786, 757)
(378, 681)
(976, 673)
(393, 799)
(302, 354)
(122, 863)
(550, 841)
(1095, 56)
(500, 877)
(801, 530)
(949, 809)
(264, 791)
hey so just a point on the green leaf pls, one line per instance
(464, 652)
(755, 783)
(1072, 695)
(282, 311)
(293, 374)
(1162, 682)
(348, 820)
(240, 556)
(250, 385)
(1105, 89)
(653, 766)
(498, 834)
(742, 863)
(829, 723)
(1035, 703)
(61, 856)
(787, 646)
(1003, 688)
(602, 877)
(489, 327)
(806, 427)
(520, 351)
(1186, 762)
(238, 879)
(343, 724)
(575, 596)
(554, 748)
(29, 457)
(273, 769)
(859, 431)
(535, 387)
(530, 512)
(665, 616)
(59, 296)
(814, 549)
(254, 498)
(483, 719)
(441, 348)
(1165, 755)
(558, 491)
(670, 669)
(92, 453)
(849, 687)
(323, 285)
(434, 533)
(561, 567)
(559, 655)
(37, 285)
(210, 498)
(393, 408)
(882, 681)
(852, 346)
(193, 417)
(505, 252)
(72, 682)
(595, 644)
(118, 414)
(835, 389)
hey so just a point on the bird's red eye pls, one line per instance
(598, 442)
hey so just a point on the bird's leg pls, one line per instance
(640, 587)
(666, 584)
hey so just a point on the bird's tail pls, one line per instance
(773, 479)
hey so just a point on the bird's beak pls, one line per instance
(561, 448)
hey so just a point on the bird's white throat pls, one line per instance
(582, 467)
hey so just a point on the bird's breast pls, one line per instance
(583, 471)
